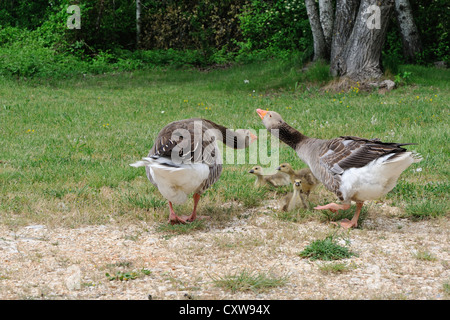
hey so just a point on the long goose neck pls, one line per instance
(231, 138)
(291, 136)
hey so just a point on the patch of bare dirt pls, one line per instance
(37, 262)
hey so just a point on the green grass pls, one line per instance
(424, 256)
(326, 249)
(66, 145)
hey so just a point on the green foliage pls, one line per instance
(402, 78)
(204, 25)
(432, 18)
(23, 13)
(35, 41)
(276, 24)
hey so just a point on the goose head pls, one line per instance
(285, 167)
(297, 184)
(270, 119)
(257, 170)
(242, 135)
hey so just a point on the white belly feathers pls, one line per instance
(375, 179)
(175, 182)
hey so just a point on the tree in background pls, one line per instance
(411, 42)
(359, 31)
(218, 31)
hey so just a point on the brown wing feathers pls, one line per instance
(353, 152)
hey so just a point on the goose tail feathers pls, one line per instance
(155, 161)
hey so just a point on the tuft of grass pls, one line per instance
(127, 275)
(247, 280)
(336, 267)
(446, 288)
(424, 255)
(327, 249)
(426, 208)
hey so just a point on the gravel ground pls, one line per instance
(37, 262)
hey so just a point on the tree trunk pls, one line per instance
(360, 57)
(138, 22)
(346, 11)
(326, 20)
(408, 29)
(320, 47)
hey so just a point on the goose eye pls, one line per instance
(270, 116)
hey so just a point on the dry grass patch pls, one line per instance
(246, 280)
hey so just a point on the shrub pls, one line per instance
(276, 24)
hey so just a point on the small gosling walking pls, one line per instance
(294, 199)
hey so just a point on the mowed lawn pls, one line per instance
(66, 146)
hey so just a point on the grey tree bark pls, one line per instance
(138, 22)
(359, 59)
(344, 21)
(326, 14)
(411, 42)
(320, 47)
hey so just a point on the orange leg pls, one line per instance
(173, 218)
(193, 216)
(334, 207)
(345, 223)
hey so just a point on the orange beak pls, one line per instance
(252, 137)
(261, 113)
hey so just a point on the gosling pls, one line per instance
(277, 179)
(308, 181)
(294, 199)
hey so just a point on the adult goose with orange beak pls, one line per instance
(185, 160)
(355, 169)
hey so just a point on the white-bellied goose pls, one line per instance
(309, 181)
(355, 169)
(294, 199)
(185, 159)
(276, 179)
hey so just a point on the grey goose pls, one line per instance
(185, 159)
(355, 169)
